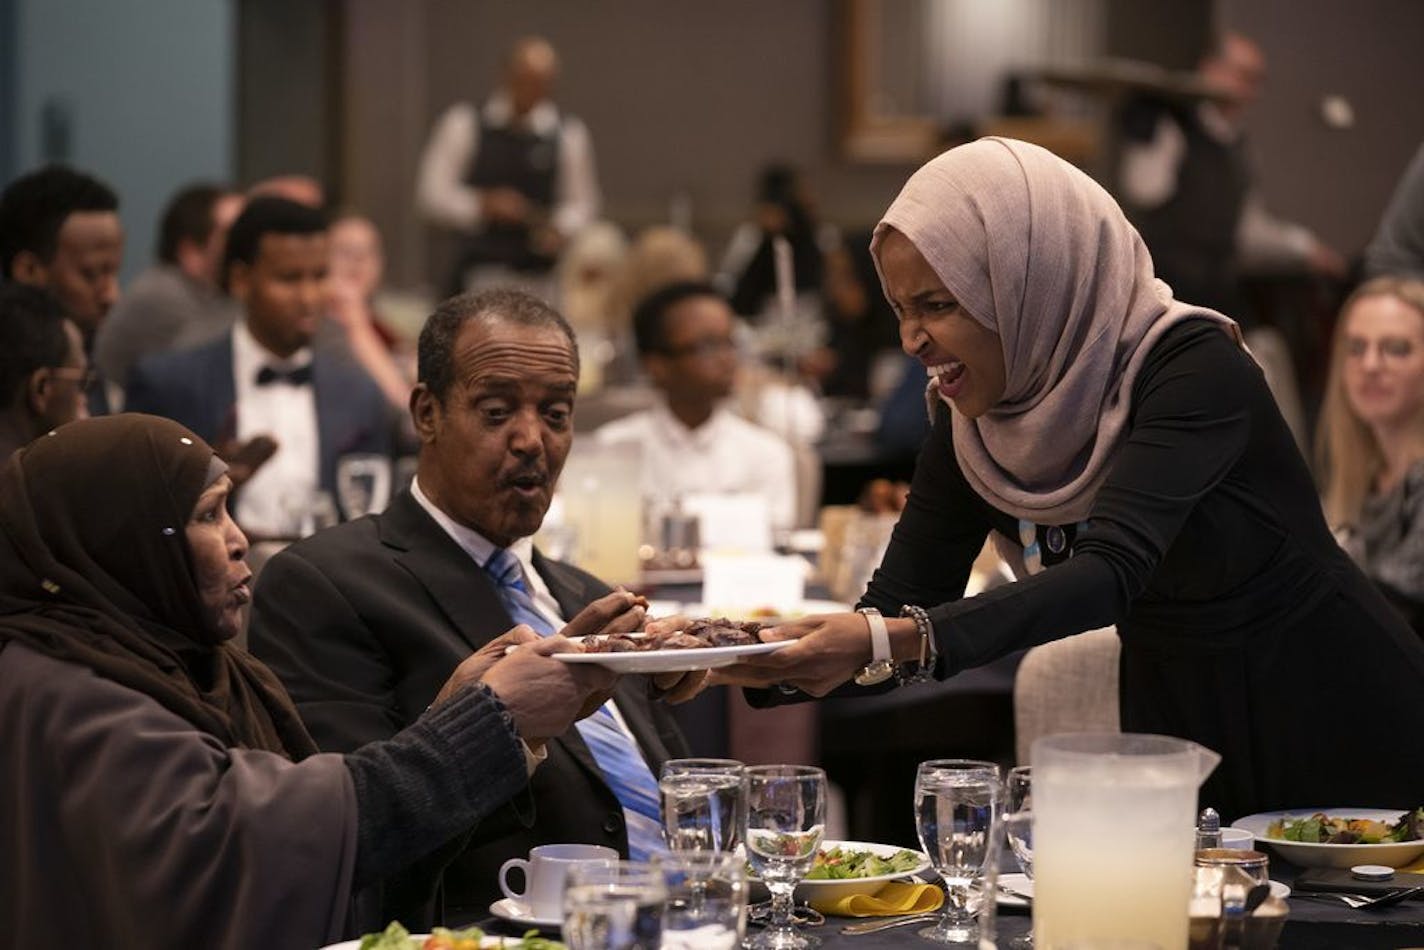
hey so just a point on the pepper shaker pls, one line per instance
(1208, 829)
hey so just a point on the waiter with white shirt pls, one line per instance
(264, 381)
(514, 178)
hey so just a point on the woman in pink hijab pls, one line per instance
(1123, 449)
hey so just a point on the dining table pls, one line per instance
(1315, 922)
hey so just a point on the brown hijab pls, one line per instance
(1038, 252)
(95, 570)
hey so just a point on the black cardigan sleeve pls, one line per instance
(1189, 426)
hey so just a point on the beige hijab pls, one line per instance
(1038, 252)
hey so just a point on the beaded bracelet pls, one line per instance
(924, 667)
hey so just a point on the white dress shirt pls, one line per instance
(275, 498)
(724, 455)
(443, 195)
(481, 549)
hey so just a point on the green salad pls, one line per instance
(1321, 828)
(838, 864)
(396, 937)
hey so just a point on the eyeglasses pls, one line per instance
(86, 378)
(702, 349)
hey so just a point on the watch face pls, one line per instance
(876, 672)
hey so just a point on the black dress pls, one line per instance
(1244, 626)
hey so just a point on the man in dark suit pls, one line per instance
(60, 232)
(264, 380)
(363, 622)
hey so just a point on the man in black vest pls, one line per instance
(515, 178)
(1188, 187)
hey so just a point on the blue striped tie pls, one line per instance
(613, 749)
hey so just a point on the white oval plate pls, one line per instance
(673, 661)
(1310, 855)
(818, 891)
(489, 942)
(1023, 884)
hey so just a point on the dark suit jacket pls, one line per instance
(365, 621)
(195, 387)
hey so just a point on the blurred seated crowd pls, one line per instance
(260, 323)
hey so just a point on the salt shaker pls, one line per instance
(1208, 829)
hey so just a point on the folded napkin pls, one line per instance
(1416, 868)
(890, 900)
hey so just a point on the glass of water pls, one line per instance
(956, 815)
(363, 483)
(1018, 828)
(706, 906)
(786, 820)
(614, 905)
(702, 803)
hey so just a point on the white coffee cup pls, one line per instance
(1238, 838)
(544, 873)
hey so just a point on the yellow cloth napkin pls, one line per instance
(1416, 868)
(890, 900)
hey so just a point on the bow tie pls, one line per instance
(301, 376)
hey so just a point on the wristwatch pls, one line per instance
(882, 665)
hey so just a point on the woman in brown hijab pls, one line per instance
(1122, 448)
(159, 789)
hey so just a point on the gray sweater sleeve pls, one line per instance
(432, 781)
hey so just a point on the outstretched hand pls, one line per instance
(831, 648)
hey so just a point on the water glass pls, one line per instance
(957, 808)
(615, 905)
(706, 905)
(1018, 828)
(702, 803)
(785, 822)
(363, 483)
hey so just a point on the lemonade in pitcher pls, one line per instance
(1113, 837)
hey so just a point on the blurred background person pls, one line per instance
(1398, 245)
(178, 300)
(589, 275)
(357, 272)
(1187, 184)
(660, 255)
(265, 380)
(303, 189)
(60, 231)
(691, 442)
(1370, 450)
(862, 327)
(43, 370)
(747, 272)
(515, 178)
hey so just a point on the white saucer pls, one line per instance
(507, 908)
(1023, 884)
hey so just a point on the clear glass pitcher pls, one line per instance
(1114, 836)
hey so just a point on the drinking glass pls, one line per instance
(702, 803)
(785, 821)
(614, 905)
(363, 483)
(956, 815)
(1018, 828)
(706, 906)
